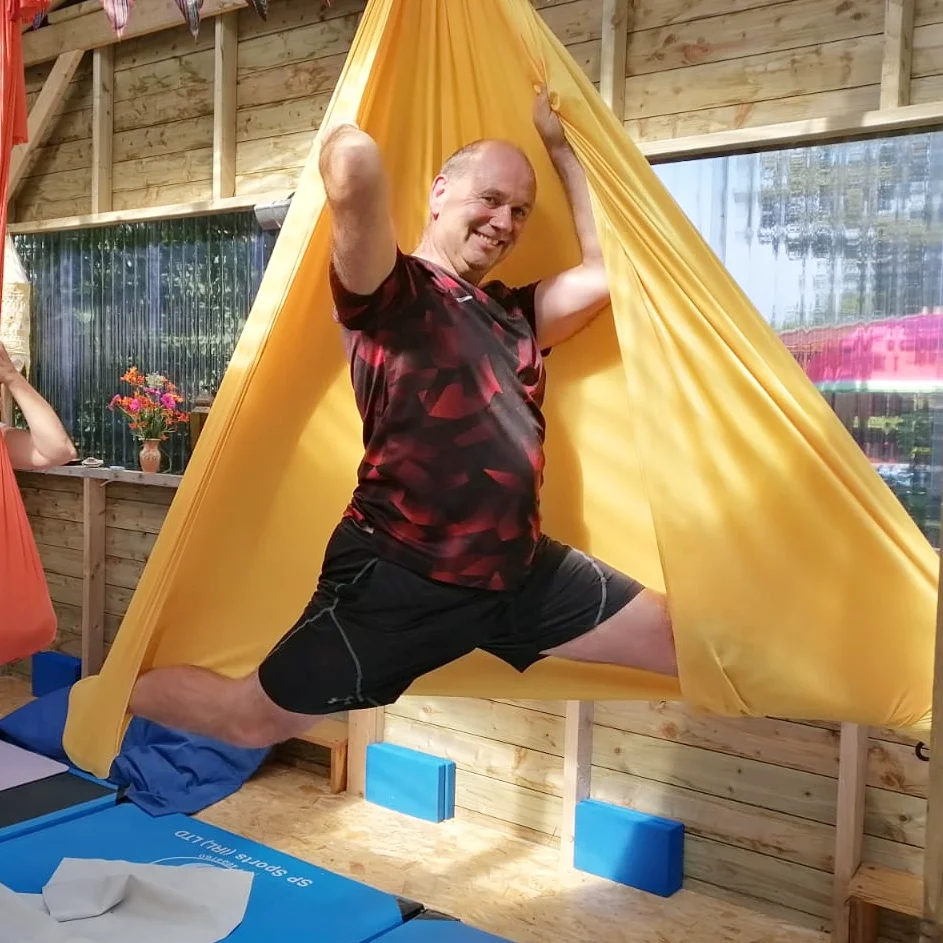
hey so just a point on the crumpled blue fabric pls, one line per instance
(161, 770)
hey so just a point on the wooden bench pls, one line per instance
(874, 888)
(332, 734)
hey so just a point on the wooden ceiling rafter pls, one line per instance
(41, 115)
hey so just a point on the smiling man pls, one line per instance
(440, 550)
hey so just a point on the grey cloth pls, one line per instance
(97, 901)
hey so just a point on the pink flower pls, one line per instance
(167, 401)
(135, 405)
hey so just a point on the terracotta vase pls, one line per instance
(150, 456)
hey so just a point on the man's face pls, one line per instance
(479, 214)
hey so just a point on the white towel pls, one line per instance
(97, 901)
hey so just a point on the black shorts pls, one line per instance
(373, 627)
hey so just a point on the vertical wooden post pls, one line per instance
(577, 770)
(364, 727)
(849, 825)
(41, 116)
(898, 53)
(103, 105)
(224, 106)
(93, 575)
(615, 37)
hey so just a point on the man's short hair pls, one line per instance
(461, 160)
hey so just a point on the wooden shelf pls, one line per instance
(888, 889)
(332, 734)
(163, 211)
(102, 473)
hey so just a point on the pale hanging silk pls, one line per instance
(15, 308)
(685, 444)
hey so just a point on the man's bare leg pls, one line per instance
(637, 636)
(233, 710)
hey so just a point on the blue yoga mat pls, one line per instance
(291, 901)
(429, 928)
(49, 801)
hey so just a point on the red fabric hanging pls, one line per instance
(27, 618)
(13, 113)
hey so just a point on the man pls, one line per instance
(44, 443)
(440, 550)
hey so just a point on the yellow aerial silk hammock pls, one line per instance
(685, 444)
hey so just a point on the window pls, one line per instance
(170, 297)
(840, 247)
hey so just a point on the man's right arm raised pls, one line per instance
(357, 191)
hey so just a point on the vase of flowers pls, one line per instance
(152, 409)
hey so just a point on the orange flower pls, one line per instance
(152, 406)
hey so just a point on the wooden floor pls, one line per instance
(504, 885)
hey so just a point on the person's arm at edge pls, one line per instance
(566, 302)
(45, 443)
(355, 184)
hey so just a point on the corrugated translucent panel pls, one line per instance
(840, 246)
(169, 297)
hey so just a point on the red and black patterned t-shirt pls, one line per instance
(449, 381)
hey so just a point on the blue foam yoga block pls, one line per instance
(292, 901)
(51, 671)
(410, 782)
(630, 847)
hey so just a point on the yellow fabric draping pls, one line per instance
(685, 444)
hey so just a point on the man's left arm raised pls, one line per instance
(567, 301)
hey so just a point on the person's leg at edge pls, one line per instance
(295, 683)
(639, 635)
(201, 702)
(368, 632)
(577, 607)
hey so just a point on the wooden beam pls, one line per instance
(333, 734)
(103, 105)
(93, 576)
(41, 115)
(577, 770)
(148, 213)
(365, 726)
(93, 30)
(931, 925)
(898, 53)
(615, 38)
(224, 106)
(792, 133)
(70, 13)
(849, 824)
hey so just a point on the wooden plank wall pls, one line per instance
(134, 515)
(757, 796)
(701, 66)
(287, 67)
(692, 67)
